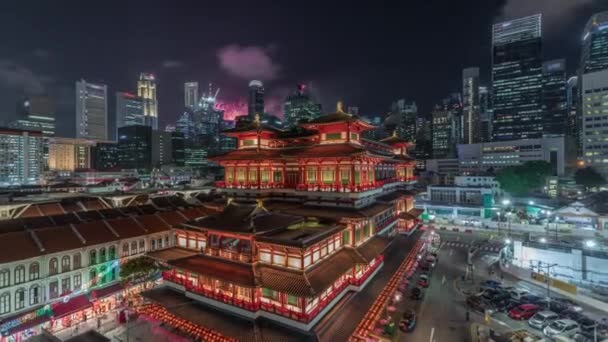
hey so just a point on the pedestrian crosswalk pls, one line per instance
(458, 244)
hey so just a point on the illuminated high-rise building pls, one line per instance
(91, 111)
(299, 106)
(444, 126)
(256, 99)
(471, 123)
(190, 95)
(402, 119)
(485, 114)
(146, 89)
(555, 101)
(574, 111)
(594, 90)
(129, 110)
(517, 79)
(36, 113)
(594, 55)
(21, 157)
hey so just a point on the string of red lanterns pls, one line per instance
(186, 327)
(367, 324)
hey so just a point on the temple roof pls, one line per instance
(304, 235)
(394, 140)
(218, 268)
(372, 247)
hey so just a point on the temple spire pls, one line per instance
(339, 107)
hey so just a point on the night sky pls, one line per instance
(366, 55)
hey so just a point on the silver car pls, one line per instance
(542, 319)
(562, 327)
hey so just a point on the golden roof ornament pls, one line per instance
(257, 118)
(394, 133)
(339, 107)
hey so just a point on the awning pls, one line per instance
(106, 291)
(73, 305)
(27, 325)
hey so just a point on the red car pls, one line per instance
(524, 311)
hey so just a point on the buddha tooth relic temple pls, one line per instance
(305, 219)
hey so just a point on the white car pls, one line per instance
(517, 293)
(542, 319)
(562, 327)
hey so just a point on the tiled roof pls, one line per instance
(287, 281)
(126, 228)
(327, 272)
(65, 219)
(38, 222)
(33, 210)
(92, 215)
(338, 116)
(249, 154)
(373, 247)
(234, 272)
(394, 140)
(236, 218)
(93, 204)
(324, 150)
(153, 223)
(172, 218)
(49, 209)
(17, 246)
(111, 213)
(171, 254)
(300, 237)
(95, 232)
(58, 239)
(196, 212)
(375, 209)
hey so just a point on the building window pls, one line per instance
(345, 237)
(112, 253)
(142, 246)
(19, 274)
(65, 264)
(53, 289)
(112, 274)
(65, 286)
(292, 300)
(19, 299)
(125, 249)
(180, 239)
(311, 174)
(92, 257)
(333, 136)
(5, 278)
(93, 277)
(5, 303)
(53, 266)
(34, 294)
(294, 262)
(133, 248)
(270, 294)
(248, 142)
(102, 255)
(159, 242)
(265, 256)
(34, 271)
(76, 261)
(77, 281)
(354, 136)
(102, 274)
(167, 241)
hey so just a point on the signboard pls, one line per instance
(43, 311)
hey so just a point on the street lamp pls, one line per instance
(508, 241)
(590, 243)
(531, 203)
(506, 202)
(543, 240)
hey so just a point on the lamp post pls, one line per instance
(547, 278)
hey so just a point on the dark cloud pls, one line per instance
(556, 13)
(19, 77)
(41, 53)
(249, 62)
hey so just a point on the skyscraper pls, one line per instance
(21, 157)
(91, 111)
(129, 110)
(517, 79)
(485, 114)
(146, 89)
(190, 94)
(594, 55)
(574, 114)
(135, 147)
(402, 119)
(555, 102)
(471, 122)
(256, 99)
(594, 89)
(299, 106)
(36, 113)
(444, 126)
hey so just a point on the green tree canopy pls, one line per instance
(524, 178)
(138, 268)
(589, 178)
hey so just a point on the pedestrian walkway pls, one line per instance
(458, 244)
(106, 323)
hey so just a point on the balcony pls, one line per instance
(229, 254)
(314, 187)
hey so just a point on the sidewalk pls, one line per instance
(525, 275)
(108, 324)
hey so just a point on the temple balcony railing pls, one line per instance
(317, 187)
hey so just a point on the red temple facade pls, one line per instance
(308, 216)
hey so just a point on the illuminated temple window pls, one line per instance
(270, 294)
(327, 175)
(265, 256)
(311, 303)
(294, 262)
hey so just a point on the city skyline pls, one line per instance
(34, 65)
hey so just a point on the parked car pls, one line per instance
(542, 319)
(431, 261)
(587, 325)
(423, 280)
(490, 285)
(568, 303)
(562, 327)
(533, 299)
(408, 321)
(524, 311)
(425, 266)
(476, 303)
(517, 293)
(417, 293)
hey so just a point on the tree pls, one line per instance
(138, 269)
(589, 178)
(524, 178)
